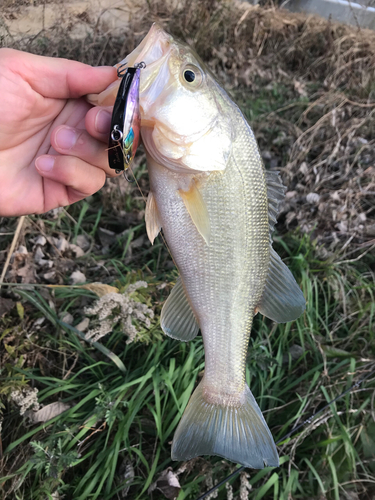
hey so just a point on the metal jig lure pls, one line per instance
(126, 120)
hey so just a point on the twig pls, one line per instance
(12, 247)
(357, 258)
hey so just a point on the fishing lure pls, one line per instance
(126, 121)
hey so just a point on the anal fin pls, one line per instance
(282, 299)
(177, 318)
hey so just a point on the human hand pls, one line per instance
(52, 150)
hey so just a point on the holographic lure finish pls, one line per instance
(126, 121)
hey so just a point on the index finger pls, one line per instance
(55, 77)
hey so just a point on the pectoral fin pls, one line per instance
(177, 318)
(197, 209)
(153, 224)
(282, 299)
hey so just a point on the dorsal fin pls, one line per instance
(177, 318)
(276, 193)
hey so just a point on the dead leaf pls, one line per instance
(60, 243)
(38, 255)
(300, 88)
(303, 168)
(27, 272)
(107, 237)
(48, 412)
(290, 217)
(290, 194)
(138, 242)
(100, 289)
(38, 323)
(83, 325)
(78, 252)
(77, 277)
(313, 198)
(83, 242)
(5, 306)
(295, 352)
(40, 240)
(21, 250)
(67, 318)
(49, 276)
(126, 472)
(167, 483)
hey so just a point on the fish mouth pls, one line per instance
(153, 51)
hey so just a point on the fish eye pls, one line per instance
(189, 75)
(192, 76)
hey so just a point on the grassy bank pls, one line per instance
(108, 406)
(123, 404)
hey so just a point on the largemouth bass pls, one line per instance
(217, 207)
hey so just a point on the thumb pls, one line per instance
(55, 77)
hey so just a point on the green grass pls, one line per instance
(265, 99)
(119, 417)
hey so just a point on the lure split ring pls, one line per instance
(116, 134)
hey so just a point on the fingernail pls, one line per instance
(103, 121)
(45, 163)
(66, 137)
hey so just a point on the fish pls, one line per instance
(217, 207)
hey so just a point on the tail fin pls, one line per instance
(239, 434)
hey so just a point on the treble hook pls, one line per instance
(120, 72)
(127, 178)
